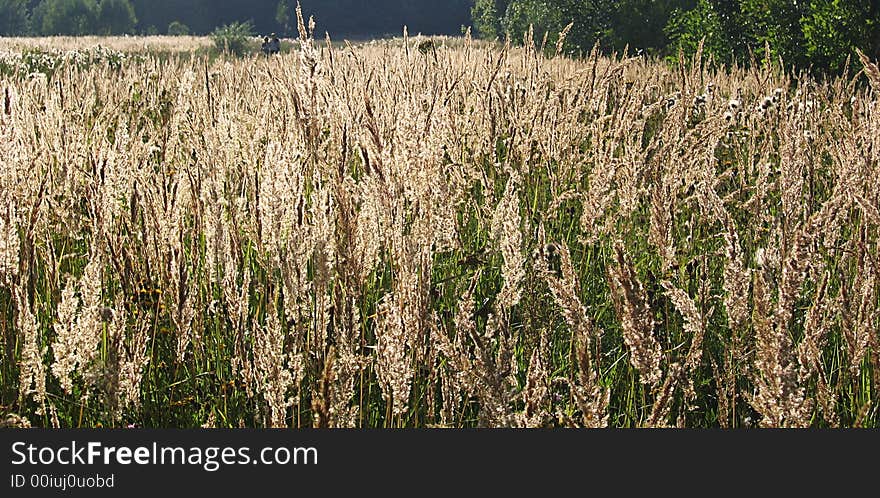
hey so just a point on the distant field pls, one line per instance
(433, 232)
(120, 43)
(170, 44)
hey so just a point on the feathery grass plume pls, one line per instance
(344, 411)
(795, 157)
(663, 402)
(536, 392)
(636, 319)
(211, 422)
(346, 324)
(323, 234)
(15, 421)
(321, 397)
(736, 274)
(660, 231)
(681, 372)
(183, 305)
(400, 324)
(507, 235)
(369, 226)
(78, 337)
(495, 363)
(596, 200)
(237, 300)
(863, 414)
(480, 363)
(353, 263)
(65, 350)
(778, 397)
(817, 325)
(871, 70)
(133, 359)
(304, 34)
(53, 417)
(309, 59)
(213, 205)
(591, 396)
(393, 351)
(9, 240)
(859, 310)
(277, 371)
(289, 229)
(458, 373)
(560, 41)
(775, 354)
(677, 371)
(104, 375)
(32, 377)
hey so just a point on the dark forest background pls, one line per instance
(361, 18)
(804, 33)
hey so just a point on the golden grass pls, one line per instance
(131, 44)
(461, 235)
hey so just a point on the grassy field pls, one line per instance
(130, 44)
(433, 233)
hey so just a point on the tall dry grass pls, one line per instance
(394, 237)
(128, 44)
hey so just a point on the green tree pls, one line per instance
(591, 20)
(115, 17)
(641, 23)
(832, 29)
(872, 27)
(13, 17)
(487, 16)
(687, 28)
(282, 16)
(233, 38)
(731, 24)
(738, 29)
(818, 33)
(542, 17)
(177, 28)
(613, 23)
(774, 23)
(65, 17)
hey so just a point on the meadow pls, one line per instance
(435, 233)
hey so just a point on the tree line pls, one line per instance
(361, 18)
(804, 33)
